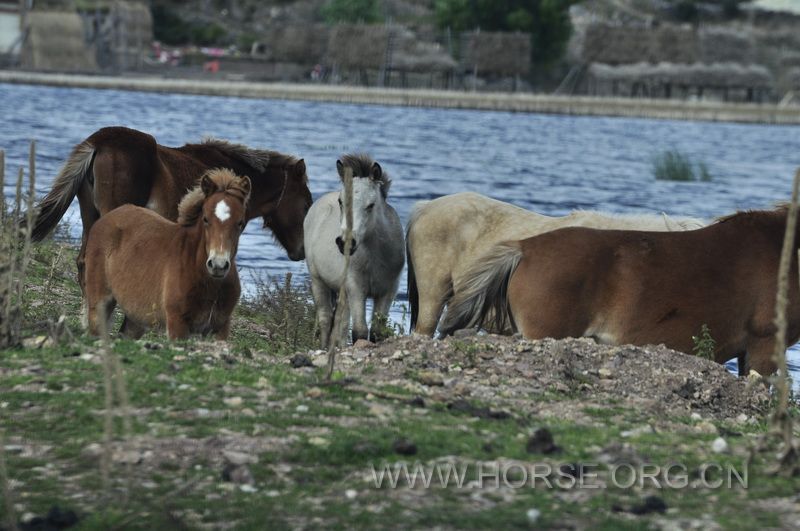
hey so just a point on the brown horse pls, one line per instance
(182, 275)
(117, 165)
(641, 287)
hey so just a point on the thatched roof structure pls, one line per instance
(721, 75)
(615, 45)
(414, 55)
(56, 42)
(500, 53)
(722, 44)
(297, 43)
(358, 45)
(792, 77)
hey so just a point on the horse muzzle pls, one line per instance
(340, 245)
(218, 267)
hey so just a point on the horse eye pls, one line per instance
(205, 220)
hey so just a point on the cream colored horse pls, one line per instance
(447, 235)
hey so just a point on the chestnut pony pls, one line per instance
(640, 288)
(117, 165)
(182, 275)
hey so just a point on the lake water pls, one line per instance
(550, 164)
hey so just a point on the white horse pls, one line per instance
(377, 250)
(446, 236)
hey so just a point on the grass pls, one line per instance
(672, 165)
(313, 445)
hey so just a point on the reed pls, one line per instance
(341, 318)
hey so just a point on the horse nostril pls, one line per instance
(227, 265)
(209, 264)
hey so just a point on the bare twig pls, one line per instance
(781, 420)
(342, 314)
(2, 186)
(11, 520)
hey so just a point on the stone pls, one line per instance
(719, 446)
(430, 378)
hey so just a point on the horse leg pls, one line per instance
(759, 353)
(323, 302)
(433, 295)
(102, 309)
(131, 329)
(378, 329)
(743, 363)
(177, 328)
(223, 333)
(89, 215)
(358, 310)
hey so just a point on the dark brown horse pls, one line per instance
(117, 165)
(642, 287)
(179, 275)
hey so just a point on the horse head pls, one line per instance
(370, 188)
(284, 213)
(223, 218)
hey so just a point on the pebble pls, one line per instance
(541, 442)
(363, 343)
(605, 373)
(696, 416)
(350, 494)
(742, 418)
(184, 387)
(318, 441)
(202, 412)
(314, 392)
(403, 446)
(430, 378)
(706, 427)
(533, 515)
(233, 401)
(719, 446)
(239, 458)
(302, 408)
(248, 489)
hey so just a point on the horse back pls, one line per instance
(646, 287)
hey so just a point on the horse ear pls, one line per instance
(246, 185)
(377, 171)
(340, 168)
(300, 168)
(207, 185)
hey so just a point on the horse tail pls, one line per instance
(67, 183)
(413, 294)
(484, 289)
(411, 285)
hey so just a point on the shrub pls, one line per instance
(366, 11)
(286, 311)
(704, 344)
(673, 165)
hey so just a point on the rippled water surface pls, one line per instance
(550, 164)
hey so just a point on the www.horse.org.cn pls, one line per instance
(516, 475)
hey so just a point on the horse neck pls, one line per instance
(267, 187)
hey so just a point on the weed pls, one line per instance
(286, 311)
(704, 344)
(672, 165)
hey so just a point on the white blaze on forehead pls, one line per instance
(222, 211)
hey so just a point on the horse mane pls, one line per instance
(191, 205)
(777, 214)
(361, 164)
(259, 159)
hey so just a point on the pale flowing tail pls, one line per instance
(484, 289)
(66, 185)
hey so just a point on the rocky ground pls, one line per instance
(473, 431)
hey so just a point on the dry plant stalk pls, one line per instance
(781, 421)
(113, 379)
(11, 520)
(340, 322)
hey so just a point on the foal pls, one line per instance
(182, 275)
